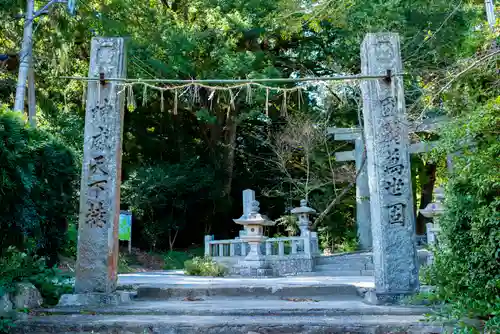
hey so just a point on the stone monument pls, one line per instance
(303, 212)
(254, 263)
(97, 258)
(388, 166)
(433, 210)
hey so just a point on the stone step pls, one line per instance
(341, 267)
(240, 306)
(163, 292)
(176, 279)
(344, 273)
(361, 258)
(348, 258)
(181, 324)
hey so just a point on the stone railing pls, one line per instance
(276, 247)
(254, 254)
(283, 256)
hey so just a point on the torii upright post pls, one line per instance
(388, 157)
(97, 260)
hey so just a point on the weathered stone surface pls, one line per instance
(363, 216)
(5, 304)
(94, 299)
(292, 265)
(247, 306)
(163, 324)
(26, 296)
(168, 292)
(96, 269)
(388, 158)
(248, 199)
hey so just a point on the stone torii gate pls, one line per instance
(388, 170)
(363, 218)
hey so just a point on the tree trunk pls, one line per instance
(171, 238)
(230, 142)
(427, 187)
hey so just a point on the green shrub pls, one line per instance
(123, 264)
(17, 266)
(176, 259)
(203, 266)
(38, 176)
(466, 271)
(6, 324)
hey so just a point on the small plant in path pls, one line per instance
(204, 266)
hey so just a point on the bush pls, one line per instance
(17, 266)
(176, 259)
(203, 266)
(163, 195)
(38, 177)
(123, 264)
(466, 271)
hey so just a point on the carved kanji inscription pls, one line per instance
(96, 214)
(396, 214)
(388, 106)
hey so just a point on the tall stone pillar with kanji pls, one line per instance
(97, 259)
(389, 171)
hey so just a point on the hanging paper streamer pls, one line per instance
(176, 97)
(299, 97)
(249, 94)
(283, 106)
(211, 97)
(267, 102)
(162, 102)
(144, 95)
(84, 94)
(65, 101)
(231, 102)
(130, 99)
(196, 95)
(99, 94)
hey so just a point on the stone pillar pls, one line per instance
(97, 259)
(208, 247)
(363, 219)
(388, 158)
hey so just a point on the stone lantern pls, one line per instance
(303, 212)
(433, 210)
(254, 235)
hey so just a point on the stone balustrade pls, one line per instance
(285, 255)
(253, 254)
(281, 247)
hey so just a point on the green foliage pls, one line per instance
(17, 266)
(290, 224)
(52, 285)
(123, 264)
(162, 195)
(70, 248)
(176, 259)
(37, 188)
(466, 272)
(202, 266)
(6, 324)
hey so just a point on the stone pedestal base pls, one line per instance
(256, 272)
(374, 298)
(95, 299)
